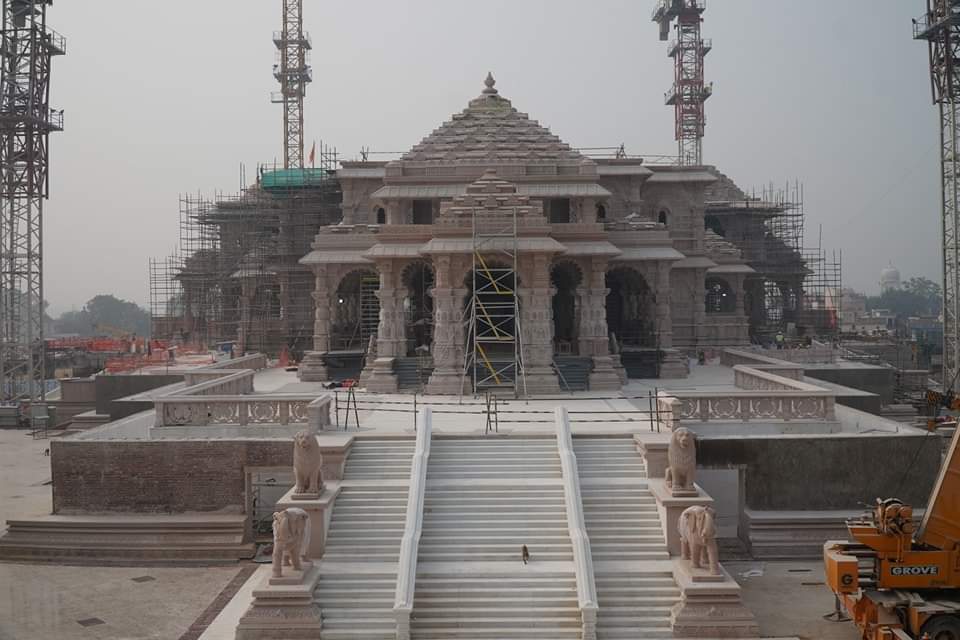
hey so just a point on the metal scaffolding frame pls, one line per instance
(236, 274)
(494, 357)
(689, 91)
(26, 121)
(293, 72)
(940, 27)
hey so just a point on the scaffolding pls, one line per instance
(494, 357)
(166, 297)
(796, 284)
(235, 276)
(26, 121)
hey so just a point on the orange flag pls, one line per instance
(313, 154)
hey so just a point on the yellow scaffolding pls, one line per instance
(493, 357)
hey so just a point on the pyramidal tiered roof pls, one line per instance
(491, 130)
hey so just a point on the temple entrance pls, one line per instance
(491, 307)
(631, 309)
(565, 278)
(418, 278)
(356, 312)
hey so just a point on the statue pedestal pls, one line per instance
(320, 510)
(710, 606)
(284, 611)
(313, 368)
(290, 575)
(670, 508)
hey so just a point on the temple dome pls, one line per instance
(490, 130)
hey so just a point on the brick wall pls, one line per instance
(159, 477)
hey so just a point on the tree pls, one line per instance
(105, 314)
(916, 297)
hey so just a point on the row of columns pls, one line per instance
(536, 322)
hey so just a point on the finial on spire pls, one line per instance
(490, 82)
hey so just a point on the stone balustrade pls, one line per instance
(243, 410)
(764, 396)
(413, 527)
(576, 526)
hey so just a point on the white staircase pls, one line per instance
(358, 573)
(635, 586)
(485, 499)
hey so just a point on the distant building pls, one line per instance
(889, 279)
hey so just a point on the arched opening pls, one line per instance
(418, 278)
(719, 296)
(491, 306)
(381, 215)
(601, 213)
(713, 223)
(631, 308)
(356, 311)
(663, 217)
(565, 278)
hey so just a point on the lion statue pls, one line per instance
(307, 462)
(681, 461)
(698, 538)
(291, 530)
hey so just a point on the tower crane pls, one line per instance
(293, 72)
(940, 27)
(689, 92)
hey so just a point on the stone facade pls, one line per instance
(614, 260)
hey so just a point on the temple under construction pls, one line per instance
(492, 253)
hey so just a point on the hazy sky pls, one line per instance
(164, 98)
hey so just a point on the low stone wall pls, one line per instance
(111, 390)
(733, 357)
(870, 378)
(850, 470)
(158, 477)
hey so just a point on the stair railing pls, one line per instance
(582, 556)
(410, 543)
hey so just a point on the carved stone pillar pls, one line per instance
(674, 363)
(313, 368)
(594, 335)
(378, 374)
(448, 341)
(536, 324)
(664, 300)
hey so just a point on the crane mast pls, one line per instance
(940, 27)
(293, 72)
(689, 92)
(26, 121)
